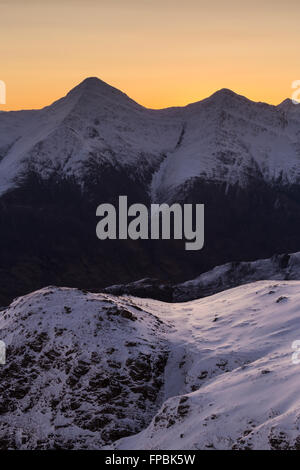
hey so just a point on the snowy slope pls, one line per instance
(224, 138)
(83, 370)
(230, 382)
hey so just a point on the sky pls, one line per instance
(160, 52)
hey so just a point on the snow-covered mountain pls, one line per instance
(229, 139)
(225, 138)
(87, 370)
(239, 158)
(96, 370)
(94, 124)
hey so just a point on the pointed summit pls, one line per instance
(96, 86)
(225, 95)
(92, 83)
(224, 92)
(92, 88)
(286, 104)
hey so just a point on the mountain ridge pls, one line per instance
(94, 83)
(160, 132)
(279, 267)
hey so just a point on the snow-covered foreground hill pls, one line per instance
(82, 370)
(87, 370)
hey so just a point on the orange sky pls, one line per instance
(160, 52)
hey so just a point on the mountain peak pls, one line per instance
(286, 104)
(226, 98)
(92, 87)
(92, 84)
(225, 93)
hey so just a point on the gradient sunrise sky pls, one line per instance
(160, 52)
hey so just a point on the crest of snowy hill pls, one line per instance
(226, 276)
(224, 138)
(94, 370)
(233, 274)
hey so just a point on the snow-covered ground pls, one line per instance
(235, 385)
(84, 370)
